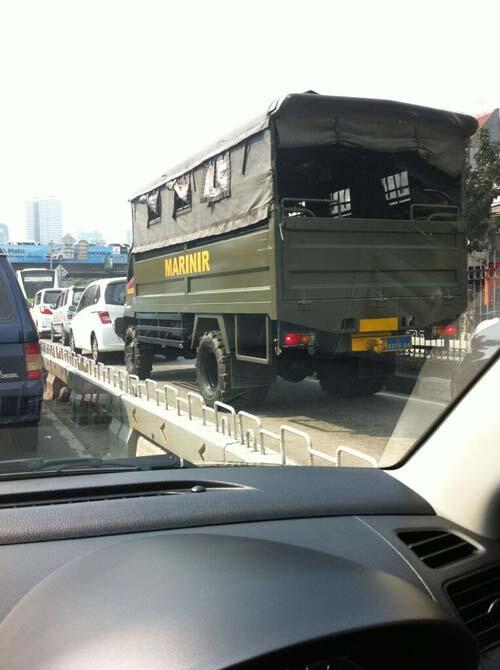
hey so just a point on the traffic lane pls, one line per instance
(368, 424)
(61, 437)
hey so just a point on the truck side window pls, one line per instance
(217, 183)
(182, 194)
(153, 201)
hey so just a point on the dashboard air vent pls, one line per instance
(477, 600)
(437, 548)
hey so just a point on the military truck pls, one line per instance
(310, 241)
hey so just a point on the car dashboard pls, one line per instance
(241, 567)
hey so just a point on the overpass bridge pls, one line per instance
(77, 270)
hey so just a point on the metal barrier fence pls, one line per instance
(241, 427)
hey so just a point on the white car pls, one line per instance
(43, 309)
(92, 325)
(64, 312)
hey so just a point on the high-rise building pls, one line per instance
(44, 220)
(4, 233)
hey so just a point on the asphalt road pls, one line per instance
(368, 424)
(388, 419)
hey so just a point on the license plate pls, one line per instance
(398, 342)
(380, 343)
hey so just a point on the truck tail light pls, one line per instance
(33, 360)
(45, 310)
(297, 339)
(131, 286)
(446, 331)
(104, 317)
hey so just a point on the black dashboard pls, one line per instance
(241, 567)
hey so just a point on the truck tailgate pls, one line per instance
(349, 268)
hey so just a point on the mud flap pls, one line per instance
(250, 375)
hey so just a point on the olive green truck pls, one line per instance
(311, 241)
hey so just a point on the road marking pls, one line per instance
(402, 396)
(72, 441)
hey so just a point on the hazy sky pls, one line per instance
(99, 98)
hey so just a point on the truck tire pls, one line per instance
(339, 379)
(213, 372)
(138, 358)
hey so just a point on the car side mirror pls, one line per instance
(72, 308)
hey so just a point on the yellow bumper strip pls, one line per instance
(376, 325)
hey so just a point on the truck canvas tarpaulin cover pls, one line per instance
(170, 210)
(311, 240)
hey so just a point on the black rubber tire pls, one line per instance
(213, 375)
(170, 355)
(213, 372)
(72, 344)
(97, 356)
(65, 338)
(138, 358)
(339, 379)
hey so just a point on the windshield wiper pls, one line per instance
(48, 467)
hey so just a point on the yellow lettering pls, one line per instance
(198, 261)
(192, 263)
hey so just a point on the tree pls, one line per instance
(482, 186)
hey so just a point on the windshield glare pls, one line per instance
(282, 264)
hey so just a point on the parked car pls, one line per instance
(92, 326)
(64, 312)
(43, 309)
(21, 386)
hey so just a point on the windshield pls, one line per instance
(297, 263)
(34, 282)
(77, 294)
(50, 298)
(115, 294)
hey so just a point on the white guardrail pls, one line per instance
(236, 428)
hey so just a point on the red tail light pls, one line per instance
(45, 310)
(446, 331)
(130, 290)
(104, 316)
(33, 360)
(297, 339)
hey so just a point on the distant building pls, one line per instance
(92, 236)
(44, 220)
(68, 240)
(4, 233)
